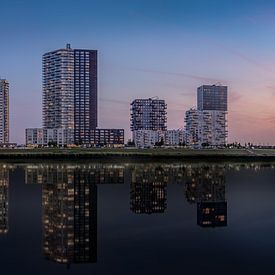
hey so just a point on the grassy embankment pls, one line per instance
(161, 153)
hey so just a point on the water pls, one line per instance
(137, 218)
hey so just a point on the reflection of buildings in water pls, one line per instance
(206, 183)
(148, 189)
(206, 186)
(70, 207)
(70, 217)
(4, 199)
(107, 174)
(212, 214)
(98, 173)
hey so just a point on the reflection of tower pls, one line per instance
(206, 186)
(4, 197)
(98, 174)
(106, 174)
(70, 217)
(148, 190)
(212, 214)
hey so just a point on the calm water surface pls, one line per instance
(137, 218)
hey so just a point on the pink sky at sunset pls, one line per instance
(147, 48)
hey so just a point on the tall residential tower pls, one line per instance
(70, 91)
(4, 111)
(212, 97)
(207, 125)
(148, 115)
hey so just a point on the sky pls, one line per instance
(147, 48)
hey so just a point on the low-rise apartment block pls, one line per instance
(147, 138)
(174, 137)
(45, 137)
(107, 137)
(60, 137)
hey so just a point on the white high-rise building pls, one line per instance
(213, 128)
(207, 125)
(4, 111)
(192, 127)
(205, 128)
(58, 89)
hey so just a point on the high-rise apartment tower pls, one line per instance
(70, 91)
(4, 111)
(148, 114)
(207, 125)
(212, 97)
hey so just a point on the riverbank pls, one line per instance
(131, 153)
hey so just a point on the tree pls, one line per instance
(52, 143)
(205, 144)
(130, 143)
(160, 143)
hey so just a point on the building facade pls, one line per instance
(174, 137)
(107, 137)
(44, 137)
(212, 97)
(151, 138)
(4, 111)
(85, 94)
(192, 127)
(207, 125)
(39, 137)
(58, 89)
(205, 128)
(213, 128)
(147, 138)
(148, 114)
(70, 91)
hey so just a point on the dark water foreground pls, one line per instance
(137, 218)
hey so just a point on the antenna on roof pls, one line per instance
(68, 46)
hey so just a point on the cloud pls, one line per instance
(234, 97)
(263, 18)
(272, 90)
(116, 101)
(270, 118)
(189, 94)
(237, 53)
(270, 87)
(249, 60)
(180, 74)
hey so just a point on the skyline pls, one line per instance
(148, 48)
